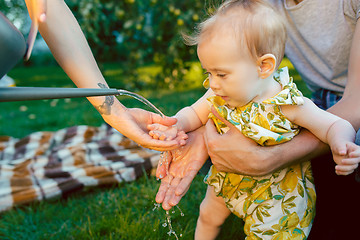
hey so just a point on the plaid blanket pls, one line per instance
(45, 165)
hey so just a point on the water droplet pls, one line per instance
(156, 206)
(181, 212)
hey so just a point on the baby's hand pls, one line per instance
(166, 133)
(347, 158)
(162, 132)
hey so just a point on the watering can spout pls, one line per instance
(10, 94)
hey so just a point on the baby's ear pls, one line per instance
(267, 65)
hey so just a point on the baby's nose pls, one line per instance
(214, 84)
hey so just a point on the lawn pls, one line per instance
(125, 211)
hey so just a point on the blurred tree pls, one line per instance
(15, 11)
(134, 33)
(138, 32)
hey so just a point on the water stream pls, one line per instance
(141, 99)
(167, 222)
(163, 157)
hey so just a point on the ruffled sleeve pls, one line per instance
(289, 95)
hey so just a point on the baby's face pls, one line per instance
(233, 75)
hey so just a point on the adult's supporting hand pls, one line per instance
(183, 168)
(132, 123)
(233, 152)
(37, 12)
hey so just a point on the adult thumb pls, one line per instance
(37, 9)
(226, 122)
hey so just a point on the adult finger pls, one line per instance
(227, 123)
(166, 204)
(210, 130)
(167, 121)
(163, 165)
(185, 183)
(164, 185)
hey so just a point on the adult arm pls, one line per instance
(233, 152)
(67, 43)
(348, 106)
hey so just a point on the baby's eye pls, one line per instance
(222, 75)
(207, 73)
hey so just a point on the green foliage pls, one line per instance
(133, 32)
(13, 9)
(138, 32)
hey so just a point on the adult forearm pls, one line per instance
(68, 44)
(255, 160)
(347, 107)
(304, 147)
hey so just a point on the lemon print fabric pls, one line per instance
(280, 205)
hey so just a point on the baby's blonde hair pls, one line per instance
(254, 23)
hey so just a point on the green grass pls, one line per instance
(117, 212)
(122, 212)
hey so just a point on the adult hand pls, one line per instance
(233, 152)
(185, 164)
(132, 123)
(37, 12)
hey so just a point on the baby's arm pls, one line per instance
(188, 119)
(331, 129)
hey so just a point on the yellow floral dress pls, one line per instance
(280, 205)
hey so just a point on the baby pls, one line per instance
(240, 47)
